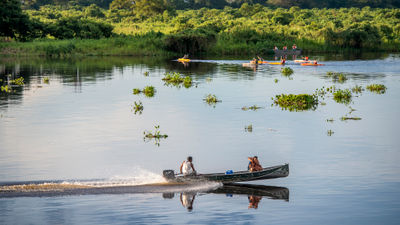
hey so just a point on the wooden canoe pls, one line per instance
(240, 176)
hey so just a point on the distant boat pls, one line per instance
(287, 52)
(240, 176)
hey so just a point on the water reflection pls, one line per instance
(254, 194)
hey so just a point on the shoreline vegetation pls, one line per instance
(123, 30)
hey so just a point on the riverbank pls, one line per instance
(151, 45)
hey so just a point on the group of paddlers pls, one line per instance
(294, 47)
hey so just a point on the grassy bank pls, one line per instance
(156, 46)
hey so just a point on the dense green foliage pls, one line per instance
(250, 29)
(342, 96)
(298, 102)
(177, 79)
(377, 88)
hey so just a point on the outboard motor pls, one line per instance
(169, 174)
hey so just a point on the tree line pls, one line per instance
(230, 30)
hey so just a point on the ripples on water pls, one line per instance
(74, 150)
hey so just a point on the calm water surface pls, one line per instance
(80, 130)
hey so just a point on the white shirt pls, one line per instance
(187, 168)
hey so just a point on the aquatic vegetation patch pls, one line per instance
(298, 102)
(254, 108)
(157, 136)
(276, 80)
(357, 89)
(177, 79)
(6, 88)
(342, 96)
(146, 74)
(329, 132)
(344, 118)
(18, 81)
(377, 88)
(330, 120)
(148, 91)
(46, 80)
(138, 107)
(211, 99)
(287, 71)
(337, 77)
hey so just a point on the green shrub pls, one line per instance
(298, 102)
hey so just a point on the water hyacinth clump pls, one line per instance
(6, 89)
(148, 135)
(249, 128)
(138, 107)
(377, 88)
(298, 102)
(357, 89)
(342, 96)
(177, 79)
(287, 71)
(18, 81)
(211, 99)
(344, 118)
(46, 80)
(148, 91)
(254, 108)
(337, 77)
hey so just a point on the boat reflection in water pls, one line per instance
(254, 194)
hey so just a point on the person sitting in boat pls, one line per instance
(284, 47)
(254, 164)
(186, 56)
(306, 58)
(260, 59)
(275, 48)
(187, 167)
(315, 62)
(294, 47)
(283, 60)
(254, 61)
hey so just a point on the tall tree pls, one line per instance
(13, 22)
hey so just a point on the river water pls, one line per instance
(79, 130)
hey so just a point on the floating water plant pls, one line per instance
(156, 135)
(146, 74)
(357, 89)
(176, 79)
(6, 88)
(18, 81)
(136, 91)
(138, 107)
(208, 79)
(344, 118)
(287, 71)
(46, 80)
(211, 99)
(377, 88)
(329, 133)
(342, 96)
(249, 128)
(148, 91)
(254, 108)
(337, 77)
(330, 120)
(276, 80)
(298, 102)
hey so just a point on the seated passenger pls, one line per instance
(254, 164)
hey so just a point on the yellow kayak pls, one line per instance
(262, 62)
(183, 60)
(276, 63)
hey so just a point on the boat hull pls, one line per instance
(240, 176)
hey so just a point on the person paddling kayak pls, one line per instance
(187, 167)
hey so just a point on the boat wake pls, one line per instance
(143, 182)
